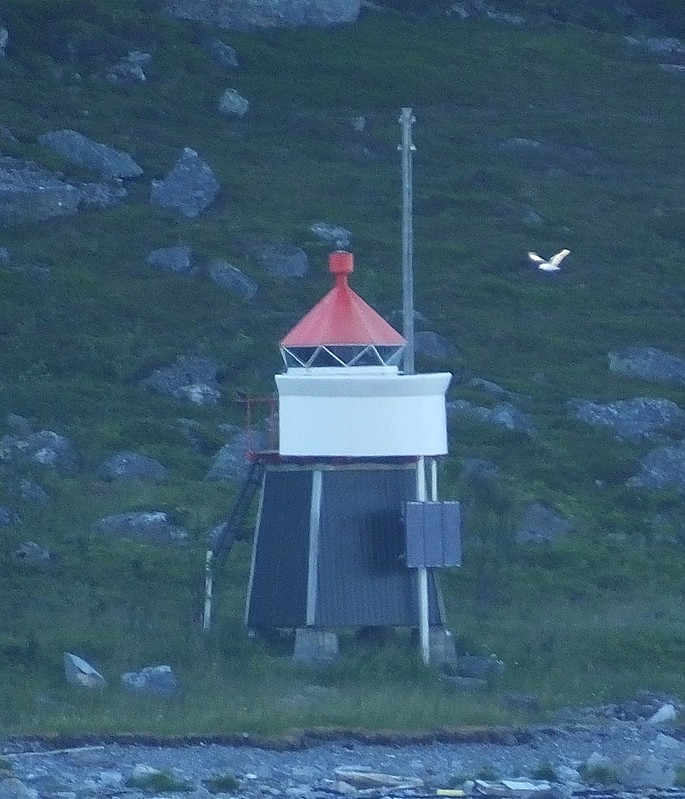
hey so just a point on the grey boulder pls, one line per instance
(433, 346)
(232, 461)
(233, 104)
(189, 188)
(30, 194)
(663, 467)
(152, 680)
(131, 466)
(334, 235)
(150, 526)
(178, 259)
(280, 258)
(78, 672)
(222, 54)
(541, 524)
(229, 277)
(630, 420)
(502, 415)
(192, 378)
(33, 553)
(45, 448)
(250, 14)
(7, 517)
(78, 149)
(648, 363)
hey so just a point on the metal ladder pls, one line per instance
(233, 528)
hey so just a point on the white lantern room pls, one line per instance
(343, 394)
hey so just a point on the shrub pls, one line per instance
(679, 780)
(599, 774)
(223, 783)
(159, 782)
(545, 771)
(487, 772)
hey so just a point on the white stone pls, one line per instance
(142, 771)
(664, 713)
(372, 779)
(78, 672)
(526, 786)
(233, 104)
(666, 743)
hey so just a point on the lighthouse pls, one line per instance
(358, 444)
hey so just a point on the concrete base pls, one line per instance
(441, 647)
(314, 647)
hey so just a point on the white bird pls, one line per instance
(549, 266)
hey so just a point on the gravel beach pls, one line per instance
(647, 755)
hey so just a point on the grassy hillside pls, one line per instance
(593, 617)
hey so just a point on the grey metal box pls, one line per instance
(433, 534)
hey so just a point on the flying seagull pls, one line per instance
(549, 266)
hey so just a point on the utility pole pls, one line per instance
(406, 148)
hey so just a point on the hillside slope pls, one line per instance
(530, 135)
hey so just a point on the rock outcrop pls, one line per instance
(76, 147)
(250, 14)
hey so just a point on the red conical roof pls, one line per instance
(342, 317)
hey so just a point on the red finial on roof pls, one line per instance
(341, 264)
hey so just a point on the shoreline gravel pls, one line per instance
(305, 766)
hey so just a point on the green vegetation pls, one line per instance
(600, 774)
(589, 619)
(545, 771)
(222, 783)
(680, 777)
(158, 782)
(488, 773)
